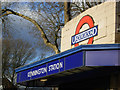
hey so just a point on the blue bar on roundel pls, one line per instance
(91, 32)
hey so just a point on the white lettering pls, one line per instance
(37, 72)
(84, 35)
(61, 65)
(55, 66)
(43, 70)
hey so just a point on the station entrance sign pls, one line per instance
(87, 34)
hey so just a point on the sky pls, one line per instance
(34, 0)
(23, 29)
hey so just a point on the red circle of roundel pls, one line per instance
(85, 20)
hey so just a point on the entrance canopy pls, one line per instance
(71, 65)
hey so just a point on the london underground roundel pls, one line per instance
(87, 34)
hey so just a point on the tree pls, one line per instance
(78, 7)
(15, 53)
(55, 25)
(51, 16)
(67, 14)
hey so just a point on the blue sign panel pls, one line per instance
(18, 77)
(65, 63)
(73, 61)
(38, 72)
(84, 35)
(23, 76)
(53, 67)
(101, 55)
(62, 64)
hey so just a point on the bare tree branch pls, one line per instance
(43, 35)
(15, 53)
(67, 16)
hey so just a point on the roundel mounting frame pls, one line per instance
(85, 20)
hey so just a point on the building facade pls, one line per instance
(90, 54)
(105, 15)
